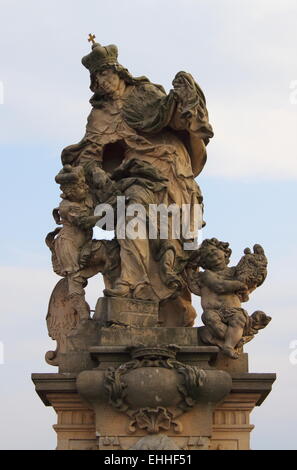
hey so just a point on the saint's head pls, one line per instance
(107, 75)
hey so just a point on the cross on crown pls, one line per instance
(92, 38)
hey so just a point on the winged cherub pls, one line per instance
(222, 290)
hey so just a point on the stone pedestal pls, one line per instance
(129, 401)
(76, 420)
(126, 383)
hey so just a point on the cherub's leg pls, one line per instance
(234, 333)
(213, 321)
(232, 338)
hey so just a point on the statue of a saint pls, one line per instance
(148, 146)
(141, 153)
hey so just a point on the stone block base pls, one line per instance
(126, 383)
(127, 312)
(76, 423)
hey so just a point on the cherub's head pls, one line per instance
(72, 183)
(213, 254)
(74, 192)
(259, 320)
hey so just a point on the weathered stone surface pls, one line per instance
(223, 362)
(120, 311)
(153, 392)
(138, 375)
(155, 442)
(89, 344)
(230, 427)
(75, 356)
(112, 356)
(148, 336)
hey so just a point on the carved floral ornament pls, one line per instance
(184, 395)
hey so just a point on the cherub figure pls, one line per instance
(222, 289)
(71, 244)
(76, 256)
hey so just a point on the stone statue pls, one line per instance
(222, 289)
(134, 373)
(75, 256)
(148, 147)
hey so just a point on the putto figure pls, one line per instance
(71, 243)
(222, 289)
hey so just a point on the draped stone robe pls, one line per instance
(146, 126)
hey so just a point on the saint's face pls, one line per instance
(108, 81)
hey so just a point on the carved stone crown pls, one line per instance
(100, 56)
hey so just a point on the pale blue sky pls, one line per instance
(243, 54)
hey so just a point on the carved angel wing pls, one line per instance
(252, 268)
(61, 319)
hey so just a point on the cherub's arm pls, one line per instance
(81, 218)
(88, 222)
(193, 280)
(219, 285)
